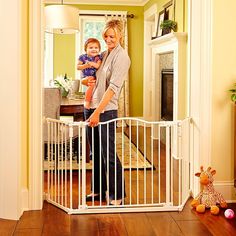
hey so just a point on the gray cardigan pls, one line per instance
(111, 74)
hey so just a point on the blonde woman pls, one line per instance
(104, 107)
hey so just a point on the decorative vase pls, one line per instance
(64, 93)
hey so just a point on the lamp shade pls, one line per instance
(61, 19)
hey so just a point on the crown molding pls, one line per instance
(100, 2)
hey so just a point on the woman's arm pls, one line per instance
(94, 118)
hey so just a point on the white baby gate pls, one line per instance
(155, 166)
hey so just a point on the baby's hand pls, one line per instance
(88, 64)
(91, 63)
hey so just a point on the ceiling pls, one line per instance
(100, 2)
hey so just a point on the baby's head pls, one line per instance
(92, 47)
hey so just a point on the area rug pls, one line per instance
(132, 158)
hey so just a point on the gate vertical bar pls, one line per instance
(137, 148)
(71, 177)
(58, 162)
(49, 158)
(122, 162)
(130, 173)
(152, 146)
(108, 161)
(83, 165)
(79, 169)
(168, 164)
(144, 156)
(62, 163)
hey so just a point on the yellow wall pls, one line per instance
(24, 92)
(64, 55)
(224, 76)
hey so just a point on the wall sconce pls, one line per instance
(61, 19)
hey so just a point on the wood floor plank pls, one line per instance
(28, 232)
(193, 228)
(137, 224)
(7, 227)
(56, 222)
(85, 223)
(163, 224)
(31, 220)
(186, 214)
(111, 224)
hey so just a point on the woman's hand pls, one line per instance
(93, 120)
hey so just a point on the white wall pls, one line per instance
(10, 104)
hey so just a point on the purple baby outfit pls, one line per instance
(89, 71)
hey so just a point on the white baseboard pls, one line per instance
(227, 189)
(24, 200)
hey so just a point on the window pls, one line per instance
(48, 59)
(93, 29)
(90, 27)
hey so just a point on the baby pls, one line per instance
(89, 63)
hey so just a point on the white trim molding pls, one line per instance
(200, 83)
(35, 105)
(150, 19)
(24, 199)
(100, 2)
(226, 188)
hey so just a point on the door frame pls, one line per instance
(36, 46)
(199, 74)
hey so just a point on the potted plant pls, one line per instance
(168, 25)
(64, 84)
(233, 93)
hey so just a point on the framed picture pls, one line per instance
(161, 18)
(169, 8)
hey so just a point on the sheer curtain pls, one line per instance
(123, 109)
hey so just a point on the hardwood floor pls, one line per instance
(53, 221)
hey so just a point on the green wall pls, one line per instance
(64, 53)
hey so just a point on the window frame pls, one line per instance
(95, 15)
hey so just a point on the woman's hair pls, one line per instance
(114, 24)
(91, 40)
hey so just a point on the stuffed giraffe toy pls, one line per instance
(208, 197)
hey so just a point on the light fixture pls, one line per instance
(61, 19)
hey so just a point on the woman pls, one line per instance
(104, 106)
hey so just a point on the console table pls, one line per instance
(75, 108)
(72, 107)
